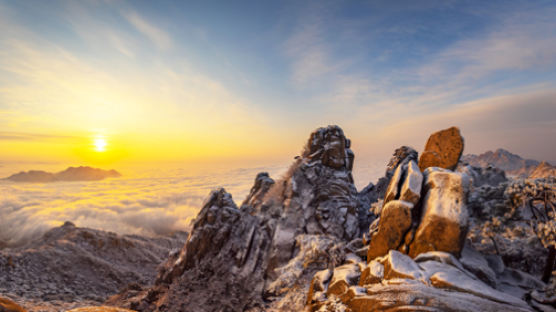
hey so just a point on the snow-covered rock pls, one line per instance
(394, 222)
(444, 220)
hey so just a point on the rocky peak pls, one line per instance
(240, 256)
(329, 146)
(511, 163)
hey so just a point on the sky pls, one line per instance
(112, 82)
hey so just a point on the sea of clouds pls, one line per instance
(143, 201)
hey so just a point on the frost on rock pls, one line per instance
(263, 255)
(436, 282)
(444, 222)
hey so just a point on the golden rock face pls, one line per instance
(443, 149)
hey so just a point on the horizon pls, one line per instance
(108, 83)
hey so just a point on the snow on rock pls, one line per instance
(437, 282)
(71, 264)
(344, 276)
(394, 222)
(373, 273)
(264, 255)
(444, 222)
(411, 187)
(398, 265)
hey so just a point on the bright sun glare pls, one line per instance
(100, 144)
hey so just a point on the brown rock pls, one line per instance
(443, 149)
(395, 220)
(373, 273)
(444, 221)
(344, 277)
(6, 305)
(398, 265)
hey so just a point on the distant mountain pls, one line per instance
(512, 164)
(543, 170)
(81, 173)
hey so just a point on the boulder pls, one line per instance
(395, 220)
(393, 190)
(263, 182)
(443, 149)
(399, 265)
(411, 187)
(7, 305)
(373, 273)
(344, 276)
(401, 156)
(444, 220)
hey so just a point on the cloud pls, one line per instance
(21, 136)
(160, 38)
(163, 202)
(522, 122)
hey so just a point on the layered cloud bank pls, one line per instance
(151, 203)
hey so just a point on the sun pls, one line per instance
(100, 144)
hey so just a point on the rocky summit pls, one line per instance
(433, 234)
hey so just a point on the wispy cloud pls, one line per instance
(159, 37)
(21, 136)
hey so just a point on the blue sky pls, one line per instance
(260, 75)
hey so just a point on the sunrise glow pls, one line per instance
(100, 144)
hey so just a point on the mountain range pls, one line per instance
(81, 173)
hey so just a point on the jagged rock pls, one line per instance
(344, 276)
(401, 155)
(395, 220)
(444, 221)
(250, 258)
(393, 190)
(319, 285)
(72, 264)
(398, 265)
(443, 149)
(437, 282)
(373, 273)
(7, 305)
(411, 187)
(263, 182)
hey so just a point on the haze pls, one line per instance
(116, 82)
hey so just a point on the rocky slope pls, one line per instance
(71, 264)
(417, 258)
(312, 225)
(433, 234)
(512, 164)
(543, 170)
(82, 173)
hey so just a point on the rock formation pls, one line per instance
(433, 281)
(443, 149)
(251, 257)
(417, 240)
